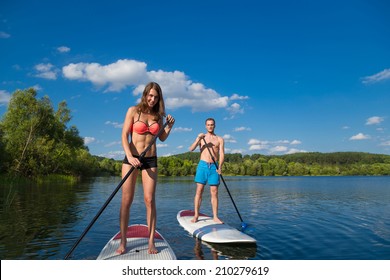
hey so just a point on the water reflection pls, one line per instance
(32, 222)
(199, 251)
(224, 251)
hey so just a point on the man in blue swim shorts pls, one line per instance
(208, 171)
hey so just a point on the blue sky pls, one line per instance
(278, 76)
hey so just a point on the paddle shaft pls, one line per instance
(142, 155)
(223, 180)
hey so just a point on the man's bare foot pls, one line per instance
(217, 220)
(152, 249)
(195, 219)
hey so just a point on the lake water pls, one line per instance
(292, 218)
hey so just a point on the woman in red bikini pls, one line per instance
(142, 123)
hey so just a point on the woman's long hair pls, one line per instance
(158, 110)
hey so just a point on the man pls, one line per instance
(208, 171)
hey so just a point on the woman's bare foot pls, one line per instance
(195, 219)
(217, 220)
(121, 250)
(152, 249)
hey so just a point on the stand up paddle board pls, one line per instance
(137, 246)
(207, 230)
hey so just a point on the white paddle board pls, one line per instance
(137, 246)
(207, 230)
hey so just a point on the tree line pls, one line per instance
(36, 140)
(299, 164)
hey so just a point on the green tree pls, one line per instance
(267, 169)
(22, 124)
(36, 138)
(297, 169)
(255, 169)
(278, 166)
(315, 169)
(186, 168)
(3, 155)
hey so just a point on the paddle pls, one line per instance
(142, 155)
(243, 224)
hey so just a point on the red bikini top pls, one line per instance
(141, 127)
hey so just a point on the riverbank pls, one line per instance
(7, 179)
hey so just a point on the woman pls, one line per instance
(142, 123)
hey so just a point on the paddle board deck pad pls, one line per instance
(207, 230)
(137, 246)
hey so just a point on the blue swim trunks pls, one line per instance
(207, 173)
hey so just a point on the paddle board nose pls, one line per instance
(208, 230)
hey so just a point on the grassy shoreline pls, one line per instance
(52, 178)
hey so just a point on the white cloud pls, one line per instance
(258, 142)
(272, 147)
(374, 120)
(162, 145)
(235, 151)
(258, 147)
(37, 87)
(114, 154)
(89, 140)
(296, 142)
(182, 129)
(381, 76)
(229, 139)
(63, 49)
(114, 124)
(178, 90)
(114, 143)
(235, 108)
(235, 96)
(294, 151)
(5, 97)
(242, 128)
(4, 35)
(253, 142)
(278, 149)
(75, 96)
(116, 76)
(46, 71)
(360, 136)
